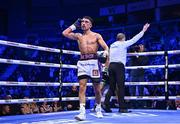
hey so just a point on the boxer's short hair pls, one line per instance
(89, 18)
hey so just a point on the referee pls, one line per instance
(118, 52)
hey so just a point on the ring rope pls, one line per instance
(24, 62)
(154, 53)
(13, 83)
(28, 46)
(12, 101)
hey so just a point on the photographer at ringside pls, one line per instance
(137, 75)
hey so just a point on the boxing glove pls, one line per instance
(76, 25)
(102, 58)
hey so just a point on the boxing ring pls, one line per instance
(136, 116)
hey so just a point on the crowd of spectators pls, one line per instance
(29, 108)
(162, 36)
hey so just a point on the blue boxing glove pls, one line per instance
(76, 25)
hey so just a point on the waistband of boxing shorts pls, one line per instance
(88, 56)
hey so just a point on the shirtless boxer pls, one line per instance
(88, 65)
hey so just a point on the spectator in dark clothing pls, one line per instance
(56, 106)
(137, 75)
(34, 107)
(72, 105)
(5, 110)
(45, 108)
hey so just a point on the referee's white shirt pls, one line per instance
(118, 49)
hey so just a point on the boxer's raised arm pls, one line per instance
(68, 32)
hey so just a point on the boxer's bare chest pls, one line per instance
(88, 43)
(88, 39)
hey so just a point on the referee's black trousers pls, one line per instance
(117, 83)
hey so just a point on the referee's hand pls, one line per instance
(146, 26)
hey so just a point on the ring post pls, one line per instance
(60, 81)
(166, 76)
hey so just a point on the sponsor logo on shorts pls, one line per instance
(95, 72)
(87, 64)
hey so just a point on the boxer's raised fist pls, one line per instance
(77, 23)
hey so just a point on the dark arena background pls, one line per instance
(38, 72)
